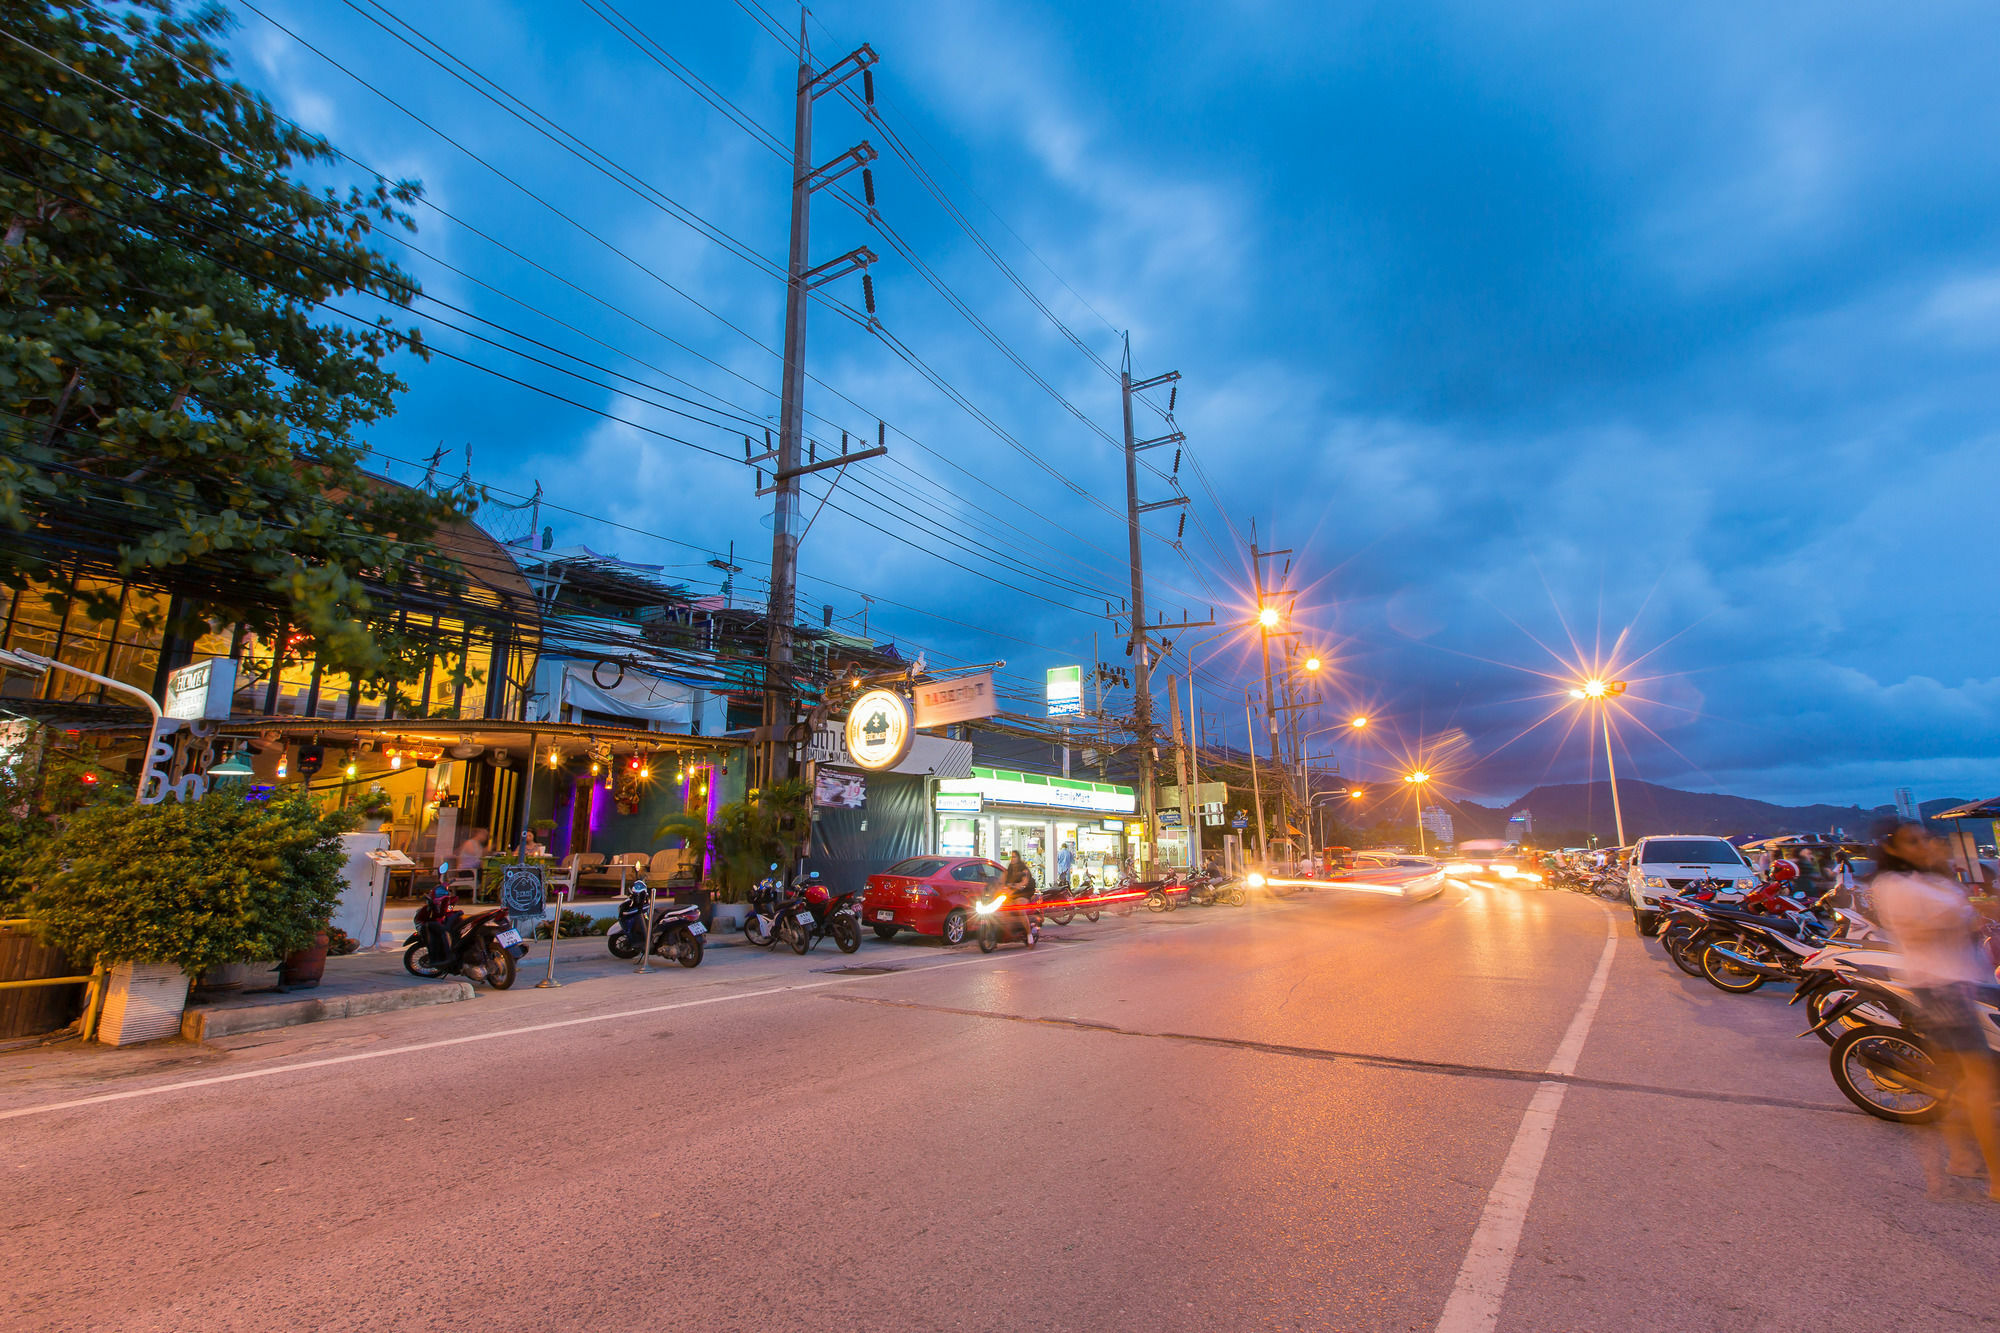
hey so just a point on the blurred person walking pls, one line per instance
(1926, 913)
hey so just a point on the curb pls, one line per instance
(203, 1024)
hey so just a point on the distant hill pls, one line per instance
(1649, 809)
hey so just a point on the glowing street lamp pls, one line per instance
(1358, 723)
(1598, 690)
(1417, 780)
(1312, 664)
(1268, 617)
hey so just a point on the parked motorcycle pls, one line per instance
(1086, 897)
(1892, 1071)
(1160, 894)
(1210, 888)
(1006, 917)
(1056, 903)
(481, 946)
(828, 916)
(775, 915)
(677, 932)
(1827, 978)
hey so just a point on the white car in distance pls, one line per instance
(1666, 865)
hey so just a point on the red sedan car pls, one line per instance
(931, 895)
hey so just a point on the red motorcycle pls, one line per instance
(480, 946)
(826, 914)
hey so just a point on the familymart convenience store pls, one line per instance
(997, 811)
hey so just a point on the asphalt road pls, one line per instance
(1334, 1111)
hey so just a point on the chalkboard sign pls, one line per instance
(524, 897)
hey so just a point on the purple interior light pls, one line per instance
(600, 793)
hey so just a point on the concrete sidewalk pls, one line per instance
(375, 982)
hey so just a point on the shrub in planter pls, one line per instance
(577, 924)
(747, 836)
(192, 883)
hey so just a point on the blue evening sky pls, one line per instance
(1525, 327)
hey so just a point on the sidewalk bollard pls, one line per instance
(555, 935)
(646, 957)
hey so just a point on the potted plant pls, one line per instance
(374, 806)
(159, 893)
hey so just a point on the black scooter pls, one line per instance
(776, 914)
(677, 930)
(481, 947)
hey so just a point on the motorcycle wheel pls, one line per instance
(752, 933)
(1726, 976)
(989, 937)
(1063, 914)
(414, 964)
(846, 934)
(688, 948)
(1865, 1079)
(1681, 948)
(1156, 901)
(500, 969)
(1090, 912)
(796, 935)
(622, 945)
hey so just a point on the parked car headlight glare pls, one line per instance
(1655, 882)
(1746, 884)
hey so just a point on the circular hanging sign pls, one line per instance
(879, 729)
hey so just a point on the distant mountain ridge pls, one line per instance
(1585, 807)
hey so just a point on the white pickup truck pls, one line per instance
(1665, 865)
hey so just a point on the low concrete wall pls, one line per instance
(206, 1022)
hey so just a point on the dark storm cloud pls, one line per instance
(1524, 326)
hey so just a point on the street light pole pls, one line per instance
(1601, 692)
(1256, 790)
(1611, 767)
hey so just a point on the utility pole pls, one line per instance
(786, 529)
(1181, 769)
(1193, 773)
(1140, 646)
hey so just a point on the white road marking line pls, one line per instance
(1474, 1306)
(213, 1080)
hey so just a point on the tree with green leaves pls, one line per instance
(180, 403)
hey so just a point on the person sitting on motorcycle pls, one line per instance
(1018, 884)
